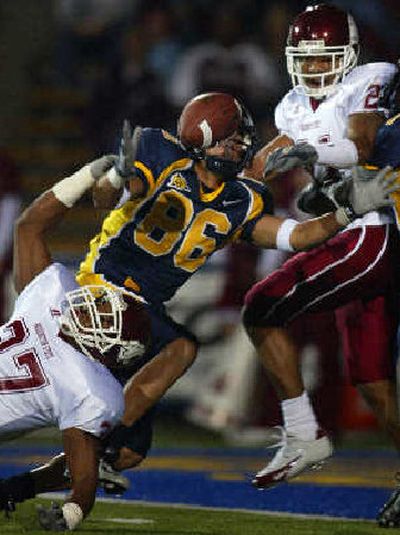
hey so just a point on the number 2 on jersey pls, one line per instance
(26, 361)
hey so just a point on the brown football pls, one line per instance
(208, 118)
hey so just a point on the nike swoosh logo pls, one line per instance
(227, 203)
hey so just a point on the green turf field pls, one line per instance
(149, 520)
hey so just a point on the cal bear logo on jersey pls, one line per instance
(178, 182)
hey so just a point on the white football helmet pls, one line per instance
(321, 32)
(107, 325)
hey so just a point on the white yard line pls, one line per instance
(60, 495)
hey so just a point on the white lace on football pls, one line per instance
(94, 318)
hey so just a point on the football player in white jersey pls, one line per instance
(331, 115)
(54, 353)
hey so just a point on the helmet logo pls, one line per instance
(207, 133)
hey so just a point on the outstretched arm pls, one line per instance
(361, 197)
(31, 252)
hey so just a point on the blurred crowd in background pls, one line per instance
(74, 69)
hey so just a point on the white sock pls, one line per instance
(299, 417)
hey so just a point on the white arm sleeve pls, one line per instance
(342, 153)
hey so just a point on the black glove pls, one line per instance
(312, 200)
(51, 518)
(127, 150)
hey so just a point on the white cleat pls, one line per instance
(112, 481)
(292, 458)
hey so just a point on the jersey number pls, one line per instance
(27, 361)
(372, 98)
(172, 215)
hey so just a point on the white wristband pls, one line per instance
(284, 233)
(115, 179)
(73, 514)
(70, 189)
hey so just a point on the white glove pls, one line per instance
(371, 190)
(286, 158)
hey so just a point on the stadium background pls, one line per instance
(73, 69)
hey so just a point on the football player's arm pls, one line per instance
(361, 197)
(256, 169)
(361, 130)
(289, 235)
(106, 195)
(82, 451)
(31, 252)
(357, 147)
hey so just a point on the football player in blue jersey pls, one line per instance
(188, 198)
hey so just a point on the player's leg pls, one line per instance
(369, 343)
(369, 334)
(46, 478)
(172, 351)
(322, 279)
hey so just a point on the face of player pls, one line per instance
(232, 148)
(104, 314)
(318, 71)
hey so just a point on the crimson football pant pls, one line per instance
(354, 273)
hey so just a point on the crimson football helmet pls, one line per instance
(106, 324)
(212, 119)
(322, 47)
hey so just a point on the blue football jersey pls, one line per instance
(387, 152)
(152, 246)
(387, 144)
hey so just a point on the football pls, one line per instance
(208, 118)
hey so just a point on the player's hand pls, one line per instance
(127, 150)
(313, 200)
(99, 167)
(286, 158)
(372, 190)
(51, 518)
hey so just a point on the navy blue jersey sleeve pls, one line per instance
(262, 204)
(157, 151)
(387, 144)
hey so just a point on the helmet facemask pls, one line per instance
(93, 318)
(341, 60)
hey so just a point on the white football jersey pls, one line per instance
(359, 92)
(45, 381)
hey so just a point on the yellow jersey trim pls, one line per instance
(113, 223)
(182, 164)
(210, 196)
(393, 119)
(147, 173)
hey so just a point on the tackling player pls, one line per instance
(187, 201)
(332, 114)
(54, 353)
